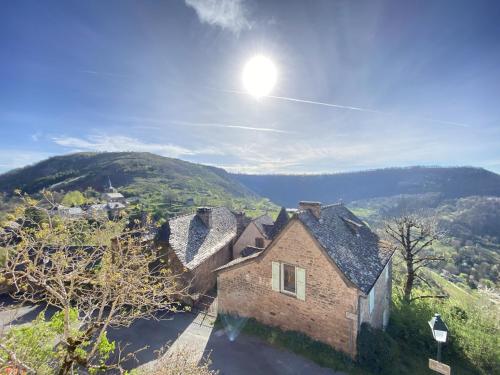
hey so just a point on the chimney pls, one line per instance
(205, 214)
(313, 207)
(163, 234)
(241, 222)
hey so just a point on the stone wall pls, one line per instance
(383, 288)
(247, 238)
(329, 312)
(204, 279)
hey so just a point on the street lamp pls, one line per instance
(439, 332)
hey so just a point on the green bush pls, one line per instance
(377, 351)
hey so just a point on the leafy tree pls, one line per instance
(73, 199)
(109, 277)
(30, 347)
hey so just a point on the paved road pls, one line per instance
(244, 355)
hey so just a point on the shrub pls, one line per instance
(377, 351)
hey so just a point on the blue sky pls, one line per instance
(161, 76)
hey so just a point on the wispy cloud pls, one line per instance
(36, 136)
(100, 73)
(122, 143)
(10, 159)
(231, 15)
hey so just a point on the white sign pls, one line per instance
(439, 367)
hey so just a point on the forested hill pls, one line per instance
(163, 186)
(81, 170)
(329, 188)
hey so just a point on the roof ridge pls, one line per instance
(181, 215)
(339, 204)
(194, 213)
(258, 217)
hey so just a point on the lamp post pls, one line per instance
(439, 332)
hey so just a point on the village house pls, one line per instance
(323, 274)
(196, 244)
(112, 195)
(258, 233)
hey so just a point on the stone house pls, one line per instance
(196, 244)
(258, 233)
(323, 274)
(112, 195)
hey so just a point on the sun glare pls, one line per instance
(259, 76)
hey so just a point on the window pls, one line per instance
(289, 279)
(371, 299)
(259, 242)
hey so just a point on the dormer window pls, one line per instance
(352, 225)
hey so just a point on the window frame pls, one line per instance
(282, 279)
(258, 241)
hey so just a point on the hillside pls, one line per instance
(329, 188)
(163, 185)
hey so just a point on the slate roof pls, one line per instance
(239, 260)
(113, 195)
(281, 221)
(193, 242)
(249, 250)
(353, 247)
(265, 225)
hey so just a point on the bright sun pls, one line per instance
(259, 76)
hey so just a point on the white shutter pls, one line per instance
(276, 276)
(300, 277)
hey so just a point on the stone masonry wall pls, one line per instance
(204, 278)
(201, 278)
(247, 238)
(329, 312)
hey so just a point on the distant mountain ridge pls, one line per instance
(146, 174)
(88, 169)
(452, 182)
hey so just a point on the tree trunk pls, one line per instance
(410, 278)
(66, 366)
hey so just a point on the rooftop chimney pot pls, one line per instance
(205, 214)
(313, 207)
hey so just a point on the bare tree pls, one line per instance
(98, 274)
(181, 360)
(412, 236)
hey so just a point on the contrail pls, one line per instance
(210, 125)
(217, 125)
(350, 108)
